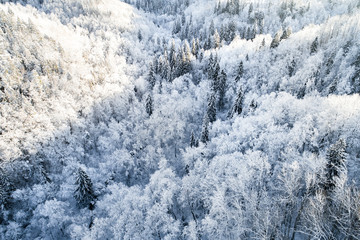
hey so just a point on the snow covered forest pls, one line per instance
(180, 119)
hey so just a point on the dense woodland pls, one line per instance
(180, 119)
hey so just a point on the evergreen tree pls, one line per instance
(151, 76)
(205, 130)
(276, 41)
(335, 166)
(314, 46)
(140, 37)
(240, 71)
(172, 55)
(222, 89)
(216, 39)
(149, 105)
(84, 193)
(238, 105)
(356, 76)
(231, 31)
(194, 49)
(291, 68)
(192, 140)
(286, 33)
(4, 188)
(211, 108)
(212, 28)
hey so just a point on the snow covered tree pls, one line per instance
(286, 33)
(211, 108)
(237, 107)
(314, 46)
(222, 89)
(172, 55)
(336, 166)
(212, 28)
(276, 41)
(151, 77)
(192, 140)
(239, 72)
(149, 105)
(140, 37)
(84, 193)
(205, 130)
(291, 68)
(216, 40)
(4, 188)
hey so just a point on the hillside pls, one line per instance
(179, 119)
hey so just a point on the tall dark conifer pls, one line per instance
(84, 193)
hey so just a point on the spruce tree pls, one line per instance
(237, 107)
(276, 41)
(84, 193)
(149, 105)
(335, 166)
(192, 140)
(286, 33)
(314, 46)
(216, 40)
(211, 108)
(205, 130)
(291, 68)
(222, 89)
(240, 72)
(151, 77)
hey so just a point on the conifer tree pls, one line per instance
(212, 28)
(84, 193)
(222, 89)
(291, 68)
(237, 107)
(276, 40)
(205, 130)
(211, 109)
(286, 33)
(149, 105)
(314, 46)
(192, 140)
(335, 166)
(216, 39)
(240, 71)
(172, 55)
(4, 188)
(151, 76)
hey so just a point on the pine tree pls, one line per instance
(222, 89)
(212, 28)
(140, 37)
(216, 39)
(291, 68)
(192, 140)
(335, 166)
(314, 46)
(240, 72)
(205, 130)
(172, 55)
(194, 49)
(151, 76)
(231, 31)
(149, 105)
(4, 188)
(237, 108)
(276, 41)
(286, 33)
(84, 193)
(211, 108)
